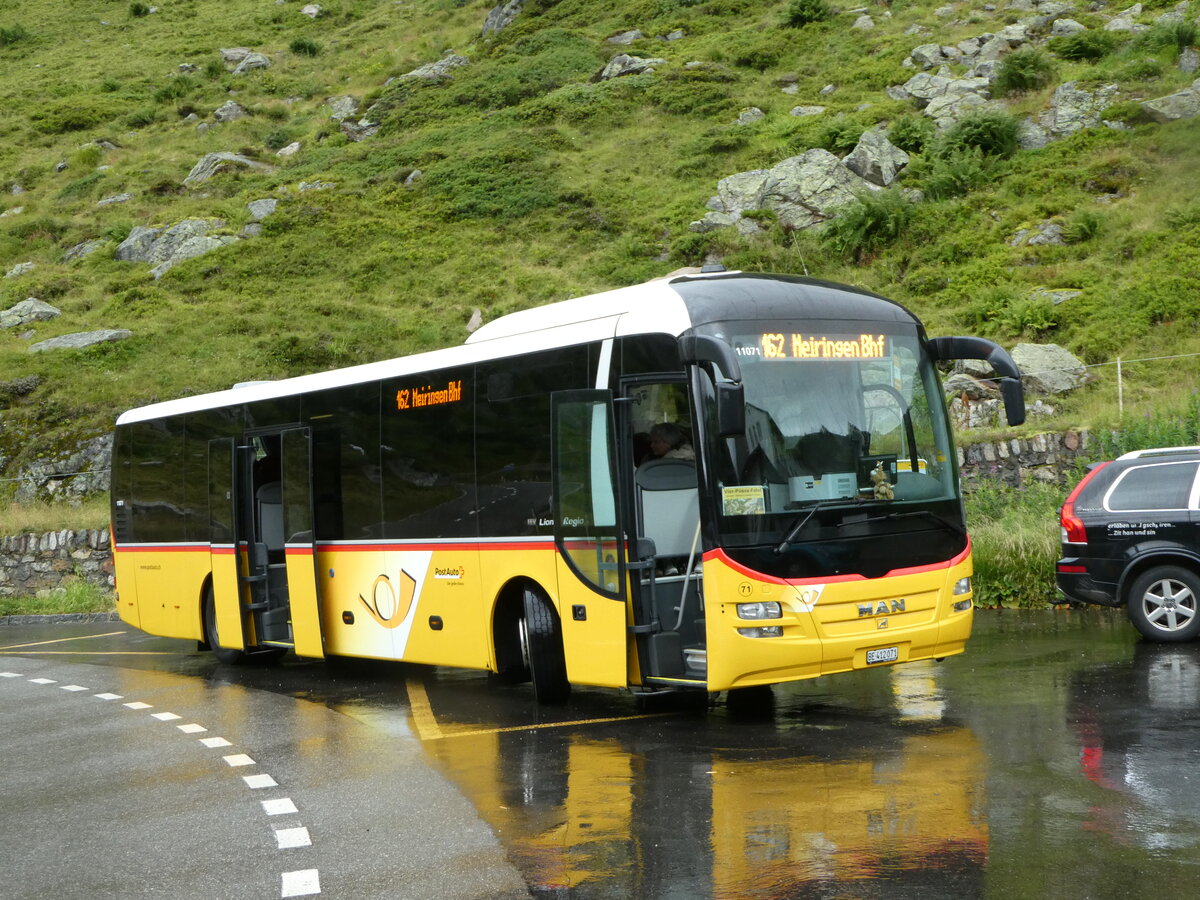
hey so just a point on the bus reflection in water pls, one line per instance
(488, 506)
(781, 814)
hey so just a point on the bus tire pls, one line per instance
(542, 639)
(223, 654)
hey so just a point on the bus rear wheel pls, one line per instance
(223, 654)
(541, 639)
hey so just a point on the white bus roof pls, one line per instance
(647, 308)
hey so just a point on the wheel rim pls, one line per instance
(1169, 605)
(523, 638)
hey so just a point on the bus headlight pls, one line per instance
(961, 587)
(763, 631)
(769, 609)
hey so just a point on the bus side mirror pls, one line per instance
(731, 409)
(1011, 390)
(695, 349)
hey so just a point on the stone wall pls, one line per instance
(32, 565)
(1052, 458)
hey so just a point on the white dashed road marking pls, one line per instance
(292, 837)
(281, 807)
(301, 883)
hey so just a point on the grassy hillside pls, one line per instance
(537, 183)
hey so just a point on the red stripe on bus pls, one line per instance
(168, 548)
(719, 555)
(367, 548)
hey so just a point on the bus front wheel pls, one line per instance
(223, 654)
(541, 639)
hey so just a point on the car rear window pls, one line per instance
(1158, 486)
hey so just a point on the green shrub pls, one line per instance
(1130, 112)
(758, 50)
(691, 249)
(1016, 542)
(303, 46)
(991, 131)
(1174, 35)
(77, 113)
(137, 10)
(805, 12)
(80, 187)
(1175, 427)
(278, 139)
(1027, 69)
(875, 220)
(505, 182)
(539, 64)
(701, 91)
(1145, 68)
(951, 175)
(839, 135)
(175, 88)
(1084, 46)
(12, 34)
(911, 133)
(140, 118)
(1083, 225)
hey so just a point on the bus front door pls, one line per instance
(668, 600)
(587, 534)
(281, 560)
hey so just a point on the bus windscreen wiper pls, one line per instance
(910, 514)
(800, 523)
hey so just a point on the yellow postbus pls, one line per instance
(711, 481)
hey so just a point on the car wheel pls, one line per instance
(1164, 604)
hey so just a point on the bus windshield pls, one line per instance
(846, 436)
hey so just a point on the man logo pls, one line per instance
(883, 608)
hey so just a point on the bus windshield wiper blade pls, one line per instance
(795, 529)
(910, 514)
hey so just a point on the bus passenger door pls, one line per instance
(223, 544)
(666, 582)
(587, 534)
(299, 550)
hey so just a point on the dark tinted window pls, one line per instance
(428, 455)
(345, 424)
(194, 494)
(156, 489)
(1164, 486)
(648, 354)
(513, 437)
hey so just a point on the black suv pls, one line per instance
(1131, 537)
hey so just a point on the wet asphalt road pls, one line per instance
(1056, 758)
